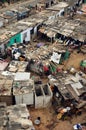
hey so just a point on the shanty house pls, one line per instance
(9, 16)
(29, 28)
(23, 88)
(5, 87)
(4, 38)
(14, 35)
(26, 29)
(21, 12)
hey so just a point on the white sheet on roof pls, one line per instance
(56, 57)
(76, 87)
(22, 76)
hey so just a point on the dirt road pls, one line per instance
(49, 120)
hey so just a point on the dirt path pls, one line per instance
(49, 120)
(74, 60)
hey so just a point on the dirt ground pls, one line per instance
(48, 116)
(74, 60)
(49, 120)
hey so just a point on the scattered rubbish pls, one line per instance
(37, 121)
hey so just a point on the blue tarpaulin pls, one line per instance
(40, 44)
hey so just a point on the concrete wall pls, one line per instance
(28, 99)
(47, 95)
(25, 98)
(18, 99)
(39, 97)
(2, 47)
(43, 96)
(1, 23)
